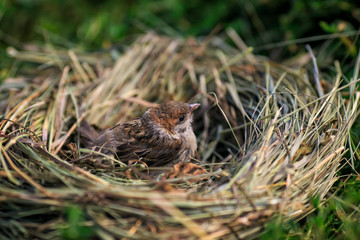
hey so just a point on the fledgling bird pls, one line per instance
(162, 135)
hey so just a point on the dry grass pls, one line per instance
(267, 136)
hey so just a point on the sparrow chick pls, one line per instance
(162, 135)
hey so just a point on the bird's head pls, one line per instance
(174, 117)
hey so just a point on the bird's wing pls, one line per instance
(87, 133)
(129, 141)
(152, 154)
(150, 147)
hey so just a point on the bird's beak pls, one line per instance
(193, 106)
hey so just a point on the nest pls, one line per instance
(270, 136)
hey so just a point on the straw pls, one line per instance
(268, 141)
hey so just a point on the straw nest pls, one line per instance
(270, 136)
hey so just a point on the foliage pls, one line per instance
(337, 218)
(98, 24)
(75, 228)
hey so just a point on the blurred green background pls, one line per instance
(93, 24)
(278, 29)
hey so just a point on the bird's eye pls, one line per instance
(181, 118)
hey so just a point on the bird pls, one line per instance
(162, 135)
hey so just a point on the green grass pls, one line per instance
(75, 228)
(337, 218)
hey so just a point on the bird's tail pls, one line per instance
(88, 134)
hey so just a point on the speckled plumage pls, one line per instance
(162, 135)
